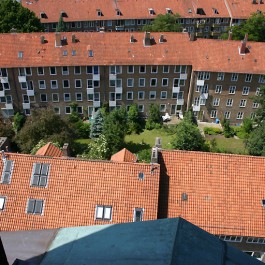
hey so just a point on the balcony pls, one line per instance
(112, 103)
(2, 93)
(183, 76)
(119, 28)
(96, 77)
(199, 34)
(216, 25)
(201, 23)
(4, 80)
(30, 92)
(215, 33)
(196, 108)
(96, 104)
(200, 83)
(204, 96)
(175, 89)
(90, 90)
(22, 79)
(118, 90)
(180, 101)
(112, 76)
(26, 105)
(9, 106)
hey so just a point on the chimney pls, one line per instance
(73, 38)
(58, 41)
(42, 39)
(161, 39)
(154, 155)
(147, 39)
(131, 39)
(158, 142)
(230, 35)
(243, 46)
(66, 150)
(192, 36)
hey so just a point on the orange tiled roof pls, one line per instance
(124, 156)
(115, 49)
(50, 150)
(224, 192)
(131, 9)
(74, 189)
(243, 9)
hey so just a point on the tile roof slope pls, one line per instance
(130, 9)
(224, 192)
(203, 54)
(50, 150)
(243, 9)
(74, 189)
(124, 156)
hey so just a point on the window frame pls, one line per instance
(38, 177)
(104, 207)
(35, 201)
(141, 210)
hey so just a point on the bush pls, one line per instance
(150, 125)
(212, 131)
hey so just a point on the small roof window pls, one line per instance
(100, 14)
(73, 52)
(141, 176)
(20, 54)
(263, 202)
(2, 202)
(151, 11)
(118, 12)
(90, 53)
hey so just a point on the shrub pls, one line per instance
(212, 131)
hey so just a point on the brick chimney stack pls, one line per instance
(230, 35)
(66, 152)
(58, 40)
(147, 39)
(243, 47)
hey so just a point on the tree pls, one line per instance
(228, 131)
(133, 119)
(6, 128)
(14, 16)
(164, 23)
(189, 117)
(154, 119)
(61, 25)
(188, 137)
(114, 129)
(18, 121)
(254, 26)
(97, 125)
(44, 125)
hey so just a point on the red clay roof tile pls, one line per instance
(50, 150)
(124, 156)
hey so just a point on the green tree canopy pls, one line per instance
(188, 137)
(97, 125)
(134, 122)
(44, 125)
(154, 119)
(189, 117)
(14, 16)
(61, 25)
(164, 23)
(254, 26)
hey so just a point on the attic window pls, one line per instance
(2, 202)
(141, 175)
(215, 11)
(73, 52)
(263, 202)
(65, 53)
(63, 14)
(200, 11)
(151, 11)
(43, 15)
(99, 13)
(168, 10)
(189, 11)
(35, 206)
(103, 212)
(118, 12)
(184, 196)
(40, 174)
(20, 54)
(138, 214)
(7, 172)
(90, 53)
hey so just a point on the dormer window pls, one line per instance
(118, 12)
(215, 11)
(43, 15)
(63, 14)
(200, 11)
(99, 13)
(168, 10)
(151, 11)
(189, 11)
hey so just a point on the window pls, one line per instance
(24, 85)
(164, 81)
(142, 69)
(103, 212)
(90, 53)
(141, 82)
(256, 240)
(89, 69)
(218, 89)
(77, 70)
(255, 105)
(66, 83)
(229, 102)
(43, 97)
(248, 77)
(67, 96)
(138, 214)
(54, 84)
(163, 95)
(65, 70)
(162, 108)
(2, 202)
(232, 90)
(154, 69)
(118, 96)
(227, 115)
(115, 69)
(35, 206)
(53, 70)
(141, 108)
(262, 79)
(166, 69)
(202, 89)
(231, 238)
(152, 94)
(257, 91)
(25, 99)
(130, 82)
(112, 83)
(153, 82)
(7, 171)
(20, 54)
(216, 101)
(40, 174)
(141, 95)
(234, 77)
(3, 72)
(203, 75)
(240, 115)
(73, 52)
(220, 76)
(130, 69)
(78, 83)
(243, 103)
(42, 84)
(67, 110)
(130, 95)
(78, 97)
(213, 114)
(79, 109)
(245, 90)
(55, 97)
(65, 53)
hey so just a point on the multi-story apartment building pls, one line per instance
(216, 78)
